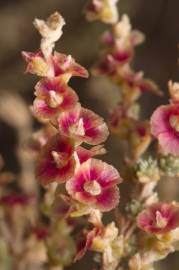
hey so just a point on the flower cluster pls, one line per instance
(118, 49)
(147, 228)
(62, 159)
(65, 148)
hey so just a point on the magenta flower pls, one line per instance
(159, 218)
(95, 184)
(165, 127)
(56, 161)
(83, 125)
(53, 97)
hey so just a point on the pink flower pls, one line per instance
(165, 127)
(95, 184)
(159, 218)
(56, 161)
(83, 125)
(56, 65)
(53, 97)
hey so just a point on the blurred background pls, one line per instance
(157, 57)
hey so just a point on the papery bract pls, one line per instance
(56, 161)
(159, 218)
(95, 184)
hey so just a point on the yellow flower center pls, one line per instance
(54, 99)
(161, 222)
(92, 187)
(174, 122)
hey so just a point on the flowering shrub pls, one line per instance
(53, 227)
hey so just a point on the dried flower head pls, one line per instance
(51, 31)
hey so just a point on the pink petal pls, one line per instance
(108, 200)
(96, 130)
(159, 120)
(169, 143)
